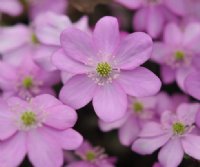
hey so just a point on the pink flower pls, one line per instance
(92, 157)
(141, 111)
(151, 15)
(40, 128)
(106, 69)
(175, 135)
(48, 28)
(177, 52)
(26, 80)
(11, 7)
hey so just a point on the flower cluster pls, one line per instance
(51, 66)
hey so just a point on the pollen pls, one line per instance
(90, 156)
(28, 118)
(138, 107)
(179, 56)
(34, 39)
(104, 69)
(27, 82)
(178, 128)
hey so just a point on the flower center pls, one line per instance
(34, 39)
(138, 107)
(104, 69)
(28, 118)
(179, 56)
(178, 128)
(90, 155)
(27, 82)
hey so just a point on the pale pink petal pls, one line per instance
(139, 19)
(77, 44)
(127, 134)
(191, 145)
(43, 149)
(135, 49)
(151, 129)
(65, 76)
(11, 7)
(60, 117)
(155, 21)
(192, 85)
(173, 34)
(187, 113)
(171, 154)
(14, 147)
(177, 6)
(78, 91)
(167, 74)
(106, 35)
(149, 145)
(105, 100)
(63, 62)
(139, 82)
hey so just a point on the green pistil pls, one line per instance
(28, 118)
(138, 107)
(179, 56)
(27, 82)
(34, 39)
(104, 69)
(178, 128)
(90, 156)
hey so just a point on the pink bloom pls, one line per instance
(39, 7)
(92, 157)
(48, 28)
(157, 165)
(26, 80)
(175, 135)
(10, 7)
(40, 128)
(141, 111)
(177, 52)
(106, 69)
(151, 15)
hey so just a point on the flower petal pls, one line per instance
(191, 145)
(134, 50)
(14, 147)
(106, 35)
(78, 91)
(168, 74)
(171, 154)
(43, 149)
(105, 100)
(149, 145)
(131, 4)
(63, 62)
(139, 82)
(139, 19)
(77, 44)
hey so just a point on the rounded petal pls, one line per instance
(11, 7)
(139, 19)
(14, 147)
(187, 113)
(134, 50)
(60, 117)
(191, 145)
(77, 44)
(173, 34)
(149, 145)
(151, 129)
(139, 82)
(44, 149)
(131, 4)
(68, 139)
(106, 35)
(179, 6)
(192, 85)
(63, 62)
(155, 21)
(105, 100)
(78, 91)
(171, 154)
(127, 134)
